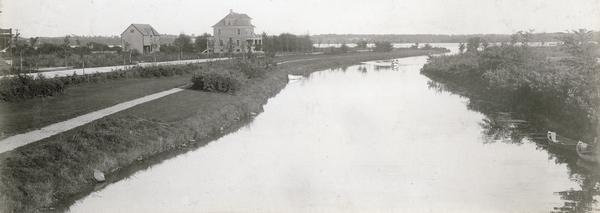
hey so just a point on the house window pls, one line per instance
(239, 31)
(131, 31)
(219, 31)
(220, 42)
(237, 42)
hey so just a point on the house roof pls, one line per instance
(237, 19)
(145, 29)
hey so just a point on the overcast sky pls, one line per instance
(111, 17)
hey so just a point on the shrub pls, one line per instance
(255, 68)
(383, 46)
(25, 86)
(218, 80)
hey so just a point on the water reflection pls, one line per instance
(510, 128)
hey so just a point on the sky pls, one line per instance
(111, 17)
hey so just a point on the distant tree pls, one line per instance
(415, 46)
(484, 44)
(578, 43)
(473, 44)
(427, 47)
(361, 44)
(95, 46)
(461, 48)
(515, 38)
(184, 43)
(201, 42)
(33, 41)
(383, 46)
(527, 37)
(66, 49)
(48, 48)
(344, 48)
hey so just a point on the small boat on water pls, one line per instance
(295, 77)
(587, 152)
(395, 63)
(561, 142)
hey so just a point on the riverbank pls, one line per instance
(47, 174)
(546, 86)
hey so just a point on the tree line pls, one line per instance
(286, 42)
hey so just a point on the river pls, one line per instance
(364, 138)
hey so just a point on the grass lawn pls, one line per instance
(23, 116)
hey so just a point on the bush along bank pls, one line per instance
(229, 77)
(55, 170)
(559, 93)
(22, 86)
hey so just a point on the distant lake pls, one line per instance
(366, 138)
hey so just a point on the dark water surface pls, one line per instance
(362, 139)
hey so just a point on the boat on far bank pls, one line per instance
(561, 142)
(587, 152)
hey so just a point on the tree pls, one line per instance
(415, 46)
(361, 44)
(33, 41)
(473, 44)
(579, 44)
(461, 48)
(201, 42)
(344, 48)
(515, 38)
(67, 49)
(484, 44)
(184, 43)
(383, 46)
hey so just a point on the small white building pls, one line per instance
(140, 37)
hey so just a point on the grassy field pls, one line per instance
(56, 170)
(23, 116)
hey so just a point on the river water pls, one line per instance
(365, 138)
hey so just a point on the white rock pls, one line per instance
(99, 176)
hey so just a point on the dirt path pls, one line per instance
(83, 71)
(19, 140)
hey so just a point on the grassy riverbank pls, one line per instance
(58, 169)
(555, 87)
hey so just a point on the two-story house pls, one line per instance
(140, 37)
(234, 34)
